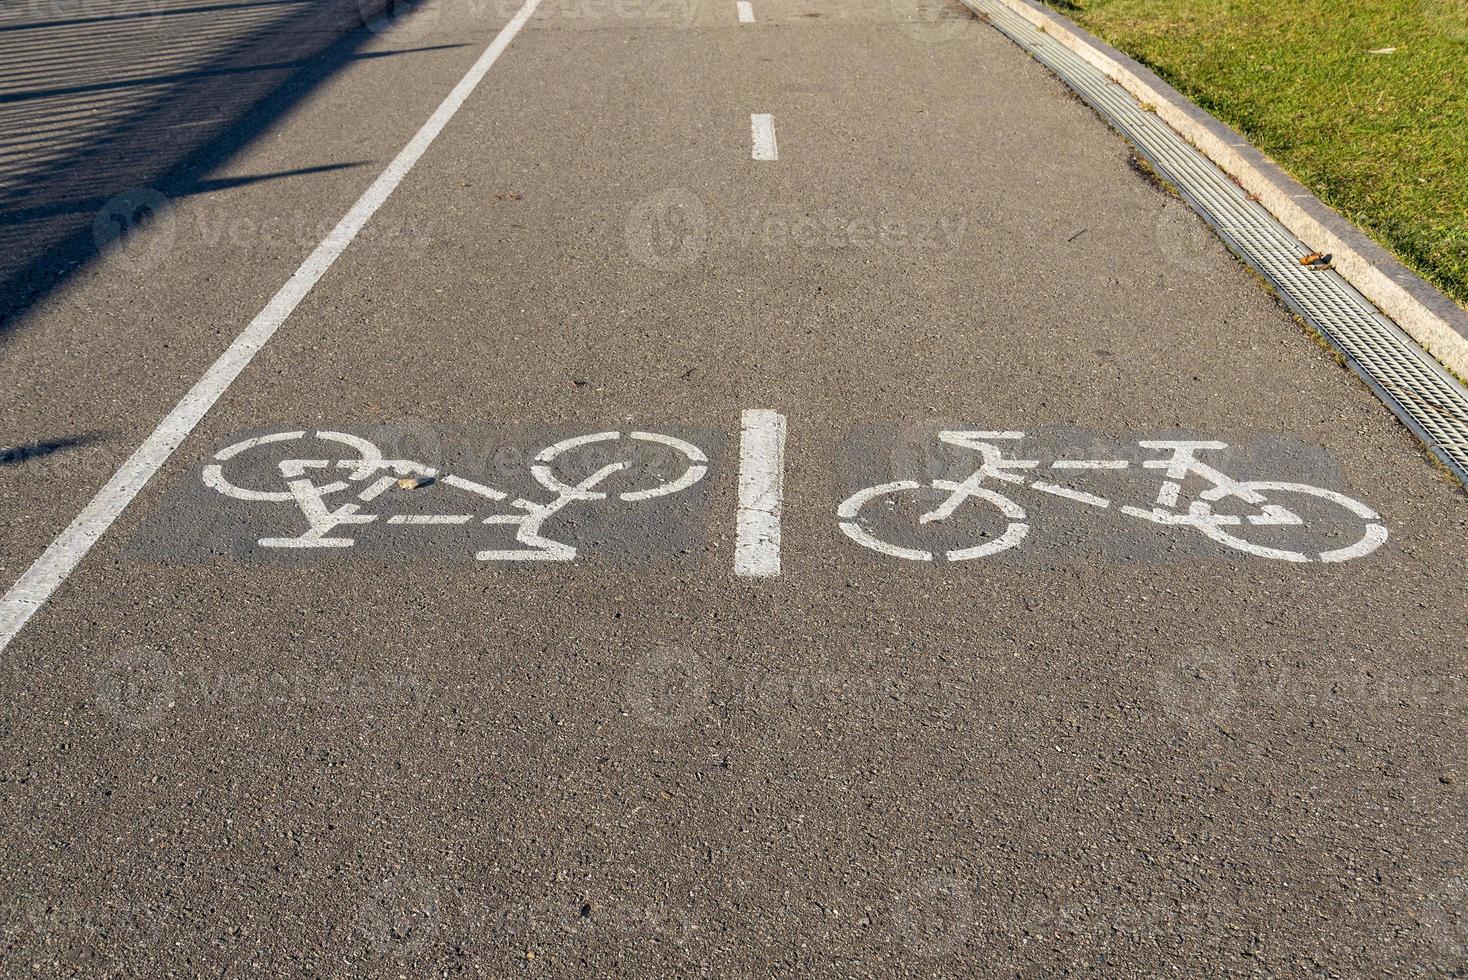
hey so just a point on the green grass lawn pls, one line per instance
(1382, 138)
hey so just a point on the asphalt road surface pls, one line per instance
(860, 639)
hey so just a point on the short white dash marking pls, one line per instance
(58, 561)
(1089, 464)
(1069, 494)
(746, 11)
(761, 494)
(762, 127)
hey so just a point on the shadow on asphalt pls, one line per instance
(13, 455)
(110, 108)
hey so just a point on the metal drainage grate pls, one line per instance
(1422, 394)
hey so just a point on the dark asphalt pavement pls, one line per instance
(1118, 748)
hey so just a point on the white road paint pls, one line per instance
(377, 477)
(746, 11)
(1252, 491)
(762, 130)
(761, 494)
(367, 458)
(430, 518)
(44, 577)
(1168, 510)
(1080, 496)
(1014, 533)
(851, 507)
(696, 469)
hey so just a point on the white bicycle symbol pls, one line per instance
(364, 466)
(1168, 509)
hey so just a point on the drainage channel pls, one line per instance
(1427, 399)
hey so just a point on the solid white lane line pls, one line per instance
(746, 11)
(761, 494)
(42, 579)
(762, 129)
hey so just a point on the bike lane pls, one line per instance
(94, 365)
(1101, 743)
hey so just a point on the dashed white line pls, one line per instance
(746, 11)
(761, 494)
(762, 129)
(45, 576)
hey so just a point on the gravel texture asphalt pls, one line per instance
(1121, 748)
